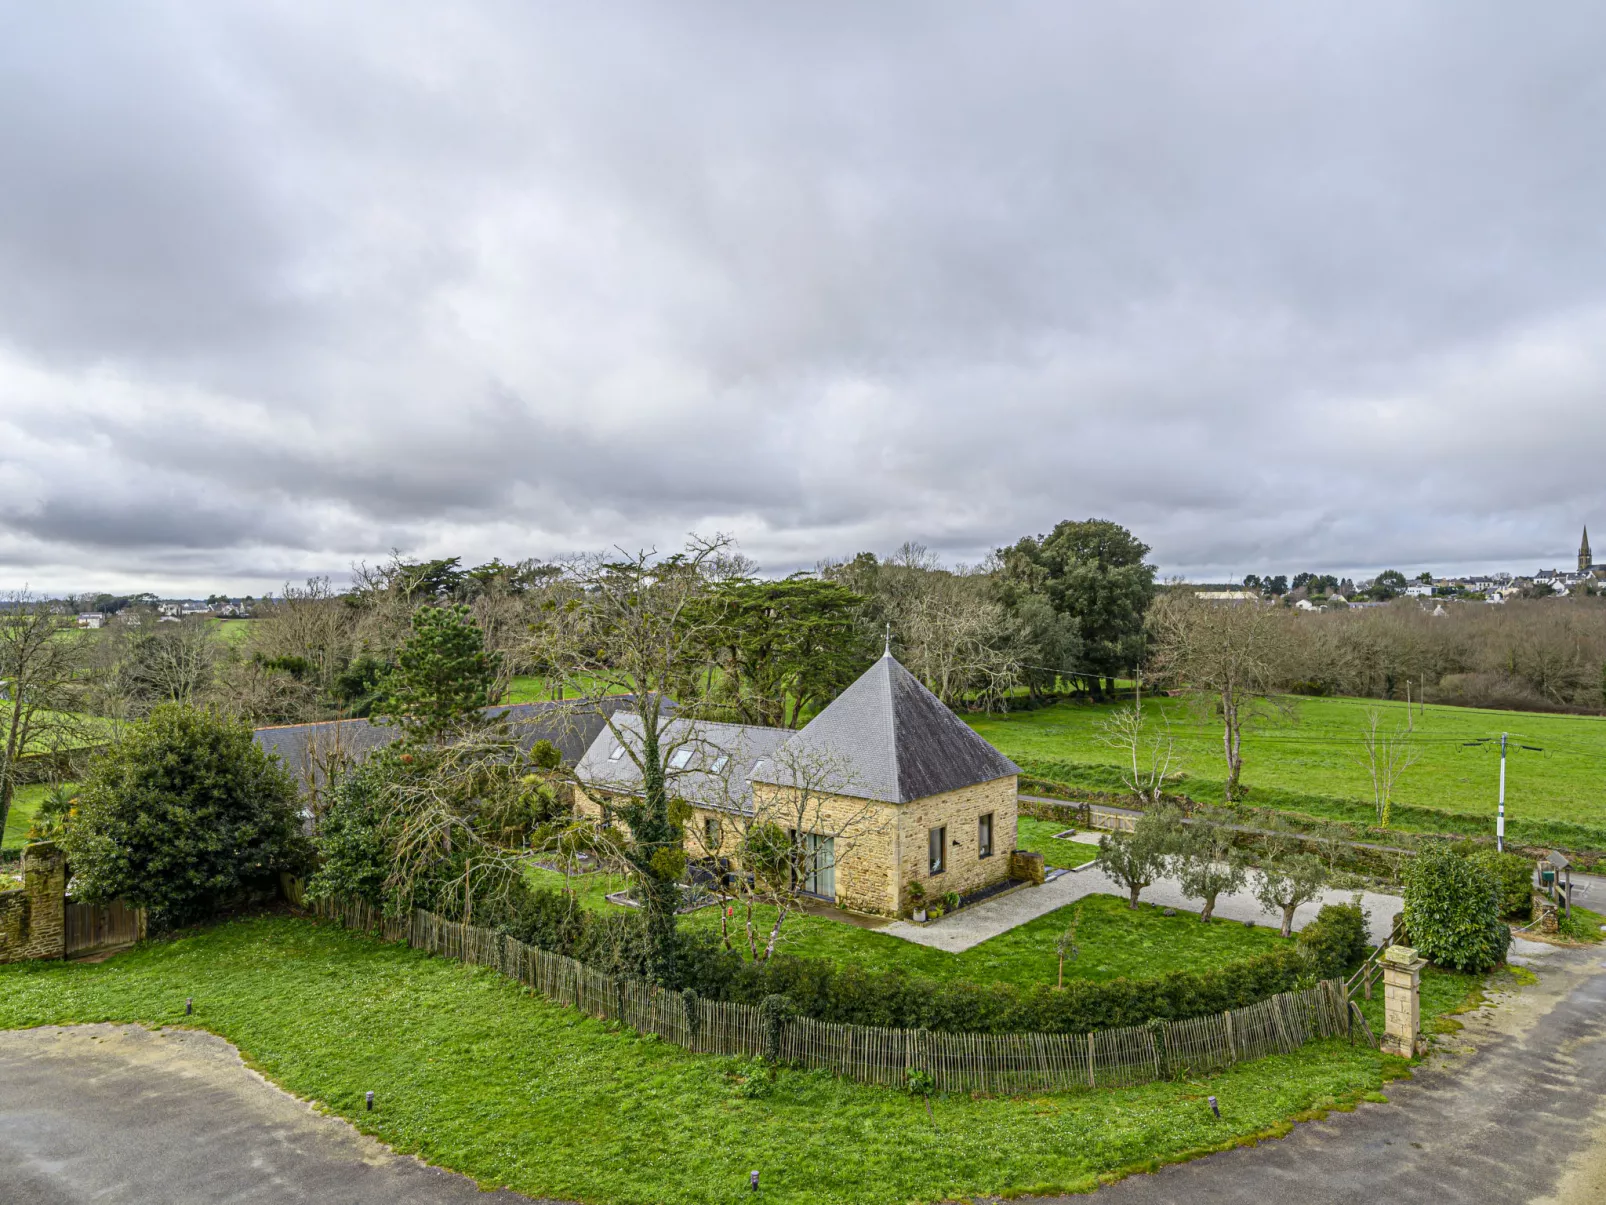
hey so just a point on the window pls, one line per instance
(619, 751)
(711, 833)
(937, 850)
(984, 836)
(720, 763)
(681, 760)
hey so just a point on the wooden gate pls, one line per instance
(94, 926)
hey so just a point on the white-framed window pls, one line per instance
(937, 850)
(681, 759)
(711, 833)
(984, 836)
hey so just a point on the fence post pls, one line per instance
(1232, 1045)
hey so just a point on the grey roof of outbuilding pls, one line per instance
(571, 726)
(888, 738)
(727, 788)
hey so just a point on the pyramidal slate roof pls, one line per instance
(893, 741)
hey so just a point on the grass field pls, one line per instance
(473, 1073)
(1307, 756)
(23, 805)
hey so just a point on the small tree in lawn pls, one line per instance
(1287, 880)
(1137, 859)
(443, 675)
(183, 811)
(1210, 863)
(1065, 944)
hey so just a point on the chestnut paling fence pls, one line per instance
(997, 1063)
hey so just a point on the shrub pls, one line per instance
(1337, 941)
(1513, 877)
(1452, 911)
(184, 813)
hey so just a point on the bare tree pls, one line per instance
(628, 626)
(170, 663)
(42, 663)
(1231, 656)
(1387, 755)
(1146, 755)
(785, 836)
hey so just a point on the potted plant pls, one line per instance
(934, 912)
(950, 902)
(916, 895)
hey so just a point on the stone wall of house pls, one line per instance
(960, 812)
(880, 847)
(33, 921)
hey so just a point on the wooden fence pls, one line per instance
(93, 926)
(996, 1063)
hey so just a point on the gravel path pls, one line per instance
(974, 925)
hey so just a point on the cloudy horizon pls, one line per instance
(283, 288)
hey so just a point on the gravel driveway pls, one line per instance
(114, 1114)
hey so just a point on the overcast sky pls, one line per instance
(285, 286)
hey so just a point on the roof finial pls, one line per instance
(888, 651)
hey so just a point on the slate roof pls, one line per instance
(569, 727)
(726, 788)
(890, 739)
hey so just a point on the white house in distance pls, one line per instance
(901, 790)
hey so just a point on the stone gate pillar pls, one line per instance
(1402, 1006)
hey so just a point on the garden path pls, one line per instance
(976, 924)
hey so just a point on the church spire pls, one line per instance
(1585, 559)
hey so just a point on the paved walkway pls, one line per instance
(1512, 1113)
(974, 925)
(114, 1113)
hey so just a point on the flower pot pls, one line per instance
(920, 916)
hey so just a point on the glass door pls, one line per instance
(820, 865)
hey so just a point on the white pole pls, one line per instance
(1500, 822)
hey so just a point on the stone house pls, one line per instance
(885, 787)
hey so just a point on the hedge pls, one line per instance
(824, 991)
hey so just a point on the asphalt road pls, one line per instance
(1515, 1112)
(116, 1114)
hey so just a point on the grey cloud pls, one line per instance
(1278, 287)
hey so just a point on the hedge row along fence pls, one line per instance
(956, 1062)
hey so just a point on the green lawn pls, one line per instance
(472, 1072)
(530, 688)
(1306, 759)
(23, 805)
(1115, 941)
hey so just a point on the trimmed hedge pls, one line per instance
(821, 989)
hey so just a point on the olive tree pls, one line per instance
(1208, 863)
(1139, 858)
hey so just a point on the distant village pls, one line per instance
(1320, 592)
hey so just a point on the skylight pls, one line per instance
(720, 763)
(681, 760)
(618, 752)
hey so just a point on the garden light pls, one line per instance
(752, 1181)
(1214, 1108)
(189, 1005)
(371, 1101)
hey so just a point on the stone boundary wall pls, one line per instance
(33, 921)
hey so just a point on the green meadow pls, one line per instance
(1306, 755)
